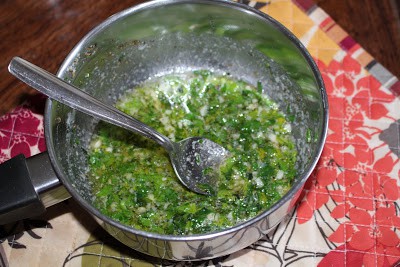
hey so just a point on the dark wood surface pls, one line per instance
(45, 31)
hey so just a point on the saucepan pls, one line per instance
(149, 40)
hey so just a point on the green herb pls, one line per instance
(133, 180)
(259, 87)
(308, 136)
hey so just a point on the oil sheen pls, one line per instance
(133, 181)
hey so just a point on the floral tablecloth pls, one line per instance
(349, 212)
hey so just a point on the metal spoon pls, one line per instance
(192, 158)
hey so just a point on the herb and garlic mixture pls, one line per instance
(134, 182)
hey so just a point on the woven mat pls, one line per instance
(349, 213)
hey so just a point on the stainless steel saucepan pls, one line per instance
(153, 39)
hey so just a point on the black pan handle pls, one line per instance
(18, 197)
(27, 187)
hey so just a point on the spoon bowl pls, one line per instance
(195, 159)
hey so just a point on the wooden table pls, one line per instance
(45, 31)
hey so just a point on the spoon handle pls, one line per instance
(65, 93)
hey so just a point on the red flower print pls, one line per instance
(385, 164)
(357, 108)
(337, 196)
(344, 85)
(5, 137)
(366, 236)
(24, 113)
(321, 65)
(362, 239)
(374, 87)
(358, 216)
(321, 197)
(328, 84)
(336, 108)
(354, 134)
(340, 210)
(332, 153)
(361, 200)
(335, 131)
(378, 110)
(19, 145)
(348, 178)
(326, 175)
(334, 67)
(354, 173)
(372, 258)
(304, 212)
(29, 123)
(339, 236)
(385, 188)
(306, 208)
(351, 66)
(385, 214)
(7, 122)
(317, 195)
(358, 157)
(42, 144)
(3, 157)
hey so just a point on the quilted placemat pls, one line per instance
(349, 212)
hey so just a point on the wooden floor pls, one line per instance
(44, 32)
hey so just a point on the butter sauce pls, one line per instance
(132, 178)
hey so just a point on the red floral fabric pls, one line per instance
(21, 131)
(357, 170)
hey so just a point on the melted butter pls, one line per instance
(135, 184)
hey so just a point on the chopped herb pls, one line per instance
(135, 184)
(308, 136)
(259, 88)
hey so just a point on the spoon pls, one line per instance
(195, 159)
